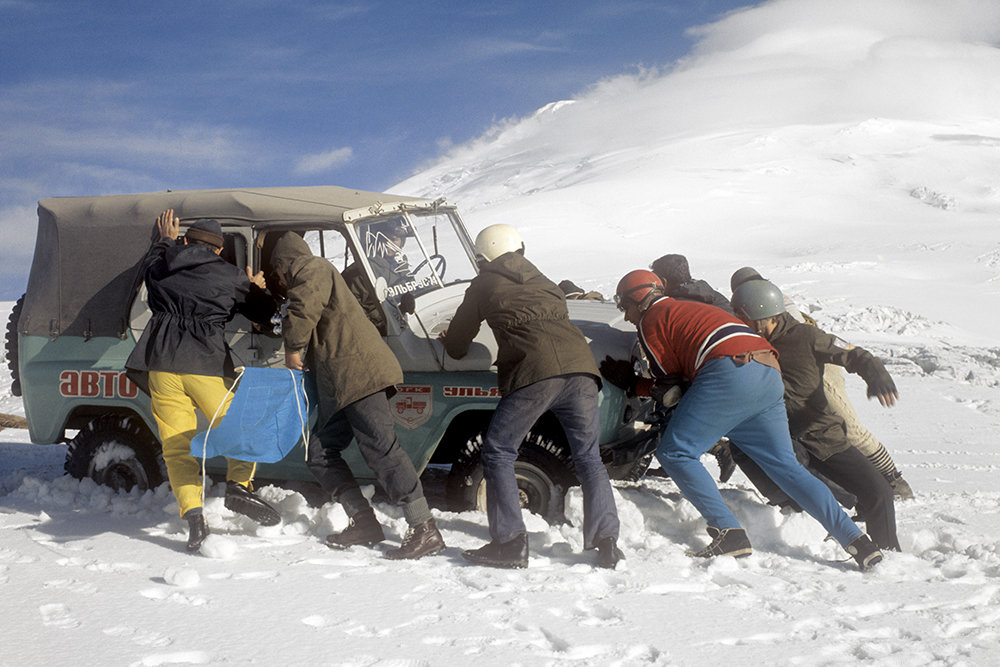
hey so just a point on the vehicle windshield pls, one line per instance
(416, 252)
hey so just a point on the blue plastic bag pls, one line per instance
(268, 416)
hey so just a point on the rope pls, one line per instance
(211, 425)
(302, 420)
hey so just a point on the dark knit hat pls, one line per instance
(569, 288)
(207, 231)
(672, 269)
(743, 275)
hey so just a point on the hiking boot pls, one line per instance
(724, 457)
(197, 528)
(512, 554)
(900, 488)
(726, 542)
(421, 540)
(865, 552)
(608, 553)
(363, 528)
(243, 501)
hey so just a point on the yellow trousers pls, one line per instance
(175, 397)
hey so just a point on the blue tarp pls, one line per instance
(265, 420)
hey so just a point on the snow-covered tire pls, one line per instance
(543, 470)
(117, 451)
(11, 347)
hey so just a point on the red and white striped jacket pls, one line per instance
(680, 336)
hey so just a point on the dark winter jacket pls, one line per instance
(804, 349)
(342, 347)
(192, 294)
(699, 290)
(527, 313)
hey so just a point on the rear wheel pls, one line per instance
(542, 469)
(117, 451)
(11, 340)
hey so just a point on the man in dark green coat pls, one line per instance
(325, 330)
(543, 365)
(803, 350)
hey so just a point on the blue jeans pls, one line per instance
(744, 402)
(573, 401)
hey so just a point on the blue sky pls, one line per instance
(111, 97)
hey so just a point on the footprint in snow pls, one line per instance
(72, 585)
(173, 596)
(139, 637)
(57, 615)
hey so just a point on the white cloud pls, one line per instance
(320, 162)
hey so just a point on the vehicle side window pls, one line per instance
(234, 250)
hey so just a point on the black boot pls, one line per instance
(363, 528)
(197, 528)
(243, 501)
(421, 540)
(724, 457)
(728, 542)
(865, 552)
(608, 553)
(512, 554)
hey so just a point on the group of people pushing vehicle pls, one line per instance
(744, 378)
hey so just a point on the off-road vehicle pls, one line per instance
(409, 261)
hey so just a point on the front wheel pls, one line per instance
(117, 451)
(542, 469)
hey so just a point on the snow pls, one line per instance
(847, 152)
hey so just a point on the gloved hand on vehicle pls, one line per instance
(666, 394)
(620, 373)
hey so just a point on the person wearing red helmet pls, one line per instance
(734, 389)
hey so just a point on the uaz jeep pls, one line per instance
(408, 260)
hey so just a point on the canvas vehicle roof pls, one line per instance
(88, 249)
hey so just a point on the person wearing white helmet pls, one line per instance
(543, 365)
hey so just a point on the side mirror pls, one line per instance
(407, 303)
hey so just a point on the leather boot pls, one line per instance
(363, 528)
(512, 554)
(243, 501)
(608, 553)
(421, 540)
(197, 528)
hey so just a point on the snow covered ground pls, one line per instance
(851, 156)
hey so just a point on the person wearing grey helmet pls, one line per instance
(835, 390)
(803, 351)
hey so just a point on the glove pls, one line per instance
(667, 395)
(880, 384)
(885, 391)
(620, 373)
